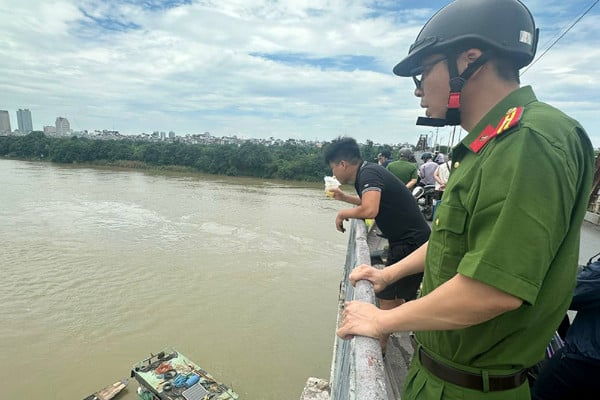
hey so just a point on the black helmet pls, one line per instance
(426, 156)
(405, 153)
(498, 27)
(505, 26)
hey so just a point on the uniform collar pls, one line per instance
(519, 97)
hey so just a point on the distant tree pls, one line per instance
(66, 151)
(253, 160)
(33, 145)
(368, 151)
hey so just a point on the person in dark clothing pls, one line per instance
(384, 158)
(381, 196)
(573, 370)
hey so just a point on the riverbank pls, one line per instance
(289, 161)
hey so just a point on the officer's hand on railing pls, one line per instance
(371, 274)
(361, 319)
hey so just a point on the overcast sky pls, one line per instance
(311, 69)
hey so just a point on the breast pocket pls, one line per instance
(448, 241)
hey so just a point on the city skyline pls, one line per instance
(62, 128)
(25, 123)
(286, 69)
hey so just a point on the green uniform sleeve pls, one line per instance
(414, 174)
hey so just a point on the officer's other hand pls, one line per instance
(361, 319)
(371, 274)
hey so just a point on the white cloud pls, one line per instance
(197, 67)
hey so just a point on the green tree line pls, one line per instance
(288, 161)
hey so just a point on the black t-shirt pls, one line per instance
(399, 217)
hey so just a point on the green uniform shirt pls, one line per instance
(404, 170)
(511, 218)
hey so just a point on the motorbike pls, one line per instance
(424, 195)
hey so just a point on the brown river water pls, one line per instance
(102, 266)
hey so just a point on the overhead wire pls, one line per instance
(561, 36)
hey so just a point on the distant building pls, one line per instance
(63, 127)
(49, 130)
(171, 135)
(4, 122)
(24, 120)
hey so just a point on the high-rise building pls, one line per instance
(24, 120)
(62, 126)
(4, 122)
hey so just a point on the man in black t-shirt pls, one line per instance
(385, 198)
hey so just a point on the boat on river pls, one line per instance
(109, 392)
(169, 375)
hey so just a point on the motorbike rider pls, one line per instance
(427, 170)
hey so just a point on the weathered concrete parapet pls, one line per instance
(368, 360)
(316, 389)
(592, 217)
(358, 371)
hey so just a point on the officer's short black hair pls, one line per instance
(342, 148)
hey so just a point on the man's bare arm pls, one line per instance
(459, 303)
(380, 278)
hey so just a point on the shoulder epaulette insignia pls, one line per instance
(510, 120)
(485, 136)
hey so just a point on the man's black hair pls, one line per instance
(342, 148)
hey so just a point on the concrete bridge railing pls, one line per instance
(357, 369)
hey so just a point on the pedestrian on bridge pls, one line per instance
(385, 198)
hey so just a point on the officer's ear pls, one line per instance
(467, 57)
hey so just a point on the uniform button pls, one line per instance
(456, 164)
(437, 221)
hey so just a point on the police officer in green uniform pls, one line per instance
(404, 168)
(501, 262)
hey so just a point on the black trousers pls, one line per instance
(567, 378)
(407, 287)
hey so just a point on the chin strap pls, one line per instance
(427, 121)
(456, 84)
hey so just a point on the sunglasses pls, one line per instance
(417, 73)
